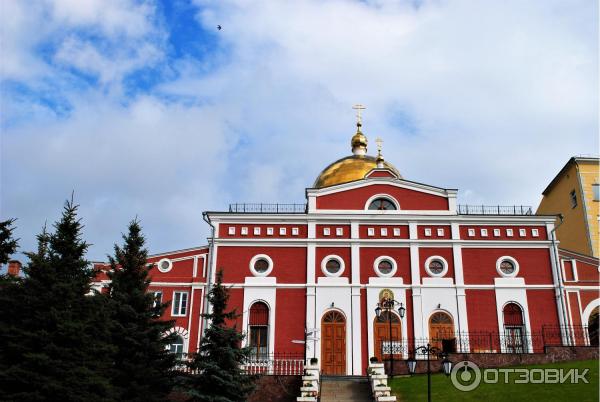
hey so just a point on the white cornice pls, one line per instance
(410, 185)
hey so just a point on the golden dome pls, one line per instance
(348, 169)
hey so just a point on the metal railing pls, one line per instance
(494, 210)
(275, 364)
(245, 208)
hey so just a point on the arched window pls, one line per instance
(593, 323)
(176, 347)
(514, 328)
(258, 323)
(382, 204)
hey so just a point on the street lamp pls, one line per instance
(429, 350)
(387, 305)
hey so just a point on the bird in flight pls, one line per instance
(219, 27)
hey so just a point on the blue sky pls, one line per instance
(144, 108)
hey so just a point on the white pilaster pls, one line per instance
(356, 332)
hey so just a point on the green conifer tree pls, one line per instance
(219, 376)
(8, 244)
(57, 345)
(143, 368)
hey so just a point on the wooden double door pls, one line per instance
(333, 343)
(384, 345)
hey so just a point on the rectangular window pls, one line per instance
(256, 231)
(259, 347)
(231, 230)
(497, 232)
(471, 232)
(244, 231)
(440, 232)
(596, 191)
(427, 232)
(522, 232)
(396, 231)
(339, 231)
(509, 232)
(535, 232)
(384, 231)
(179, 306)
(269, 231)
(282, 231)
(573, 197)
(484, 233)
(294, 231)
(325, 231)
(370, 232)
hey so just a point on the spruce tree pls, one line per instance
(8, 244)
(143, 368)
(218, 361)
(56, 347)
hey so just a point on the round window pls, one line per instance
(385, 267)
(165, 265)
(507, 267)
(261, 265)
(436, 267)
(333, 266)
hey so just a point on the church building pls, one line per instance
(372, 265)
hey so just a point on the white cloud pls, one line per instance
(488, 97)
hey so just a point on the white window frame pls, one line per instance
(514, 262)
(497, 232)
(396, 231)
(535, 233)
(381, 274)
(231, 230)
(428, 232)
(339, 231)
(244, 231)
(509, 233)
(176, 311)
(282, 231)
(444, 264)
(269, 231)
(169, 267)
(295, 231)
(383, 231)
(326, 232)
(333, 257)
(440, 232)
(256, 231)
(258, 257)
(484, 233)
(596, 191)
(370, 231)
(471, 232)
(522, 232)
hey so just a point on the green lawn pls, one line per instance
(413, 389)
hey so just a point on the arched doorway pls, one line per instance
(333, 343)
(441, 332)
(381, 330)
(514, 328)
(593, 326)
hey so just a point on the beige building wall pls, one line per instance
(579, 230)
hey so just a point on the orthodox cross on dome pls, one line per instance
(379, 141)
(358, 109)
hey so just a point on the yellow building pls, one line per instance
(575, 193)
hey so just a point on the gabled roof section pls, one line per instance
(571, 161)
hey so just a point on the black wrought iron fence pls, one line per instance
(495, 210)
(246, 208)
